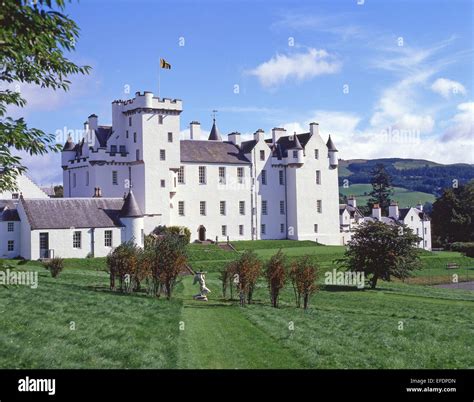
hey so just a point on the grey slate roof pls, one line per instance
(130, 207)
(214, 135)
(289, 142)
(102, 134)
(64, 213)
(69, 144)
(211, 152)
(247, 146)
(352, 210)
(8, 211)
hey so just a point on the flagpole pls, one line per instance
(159, 80)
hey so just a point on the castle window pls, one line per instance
(113, 150)
(130, 121)
(74, 181)
(295, 154)
(417, 231)
(242, 207)
(316, 154)
(280, 177)
(264, 177)
(181, 175)
(315, 228)
(264, 207)
(202, 174)
(108, 238)
(224, 230)
(262, 155)
(181, 208)
(126, 134)
(170, 137)
(319, 206)
(282, 228)
(134, 137)
(318, 177)
(137, 154)
(241, 230)
(222, 208)
(160, 119)
(282, 207)
(76, 240)
(114, 177)
(222, 175)
(240, 175)
(123, 151)
(11, 226)
(426, 230)
(162, 154)
(263, 228)
(87, 178)
(163, 183)
(411, 218)
(202, 208)
(11, 245)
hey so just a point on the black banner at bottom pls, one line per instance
(66, 385)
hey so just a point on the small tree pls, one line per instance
(243, 273)
(122, 263)
(275, 274)
(382, 251)
(303, 274)
(169, 258)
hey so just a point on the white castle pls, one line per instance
(281, 187)
(124, 180)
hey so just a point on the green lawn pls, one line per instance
(342, 329)
(404, 197)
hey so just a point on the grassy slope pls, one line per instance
(342, 329)
(404, 197)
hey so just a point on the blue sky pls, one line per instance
(384, 78)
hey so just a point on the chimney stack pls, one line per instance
(393, 210)
(352, 201)
(93, 121)
(277, 133)
(195, 130)
(419, 206)
(259, 135)
(377, 212)
(314, 128)
(235, 138)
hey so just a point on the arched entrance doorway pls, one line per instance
(202, 233)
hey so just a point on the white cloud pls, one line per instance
(446, 88)
(461, 126)
(299, 66)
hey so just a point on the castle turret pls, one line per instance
(214, 135)
(132, 218)
(68, 152)
(295, 151)
(333, 162)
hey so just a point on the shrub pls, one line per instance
(276, 275)
(303, 274)
(54, 265)
(467, 248)
(182, 231)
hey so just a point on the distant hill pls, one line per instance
(415, 175)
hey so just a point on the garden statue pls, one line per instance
(203, 290)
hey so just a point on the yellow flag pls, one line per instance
(164, 64)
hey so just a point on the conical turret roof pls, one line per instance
(331, 145)
(214, 135)
(130, 208)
